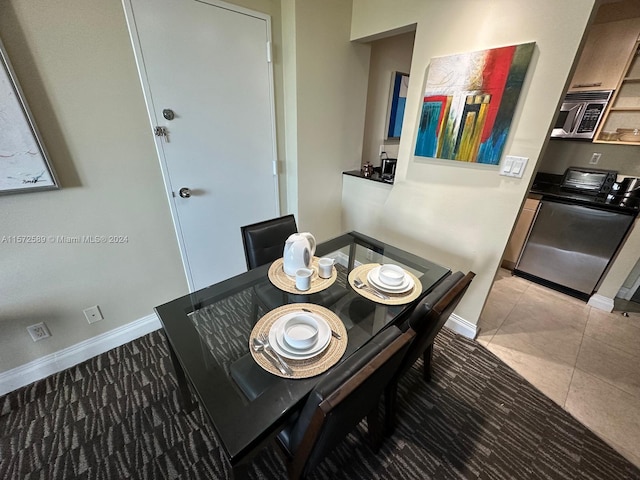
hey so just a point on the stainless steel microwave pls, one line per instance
(580, 114)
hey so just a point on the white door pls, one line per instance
(207, 79)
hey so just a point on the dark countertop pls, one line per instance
(548, 185)
(375, 177)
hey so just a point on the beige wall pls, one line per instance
(77, 69)
(457, 214)
(388, 55)
(75, 63)
(326, 80)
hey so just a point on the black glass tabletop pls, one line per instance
(208, 334)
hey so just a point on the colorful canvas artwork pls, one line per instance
(469, 102)
(397, 103)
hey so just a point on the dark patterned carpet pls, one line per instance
(115, 417)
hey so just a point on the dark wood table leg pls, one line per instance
(186, 400)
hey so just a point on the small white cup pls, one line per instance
(325, 267)
(303, 279)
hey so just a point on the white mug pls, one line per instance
(303, 279)
(325, 267)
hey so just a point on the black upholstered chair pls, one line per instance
(426, 320)
(347, 394)
(264, 241)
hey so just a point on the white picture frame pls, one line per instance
(24, 164)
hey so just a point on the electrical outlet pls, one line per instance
(93, 314)
(38, 332)
(595, 158)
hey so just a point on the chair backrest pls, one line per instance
(344, 397)
(430, 315)
(264, 241)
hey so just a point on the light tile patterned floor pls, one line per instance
(584, 359)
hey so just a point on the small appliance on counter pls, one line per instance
(589, 181)
(388, 168)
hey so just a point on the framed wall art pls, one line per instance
(397, 102)
(24, 166)
(469, 102)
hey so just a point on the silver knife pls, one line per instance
(333, 332)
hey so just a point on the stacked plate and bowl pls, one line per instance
(389, 278)
(300, 336)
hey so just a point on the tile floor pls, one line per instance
(584, 359)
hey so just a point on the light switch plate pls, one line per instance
(513, 166)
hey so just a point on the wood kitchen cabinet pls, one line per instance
(624, 107)
(605, 55)
(520, 232)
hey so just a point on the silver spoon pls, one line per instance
(267, 348)
(258, 346)
(360, 284)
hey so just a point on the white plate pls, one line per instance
(277, 342)
(406, 285)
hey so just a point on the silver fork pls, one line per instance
(265, 341)
(360, 284)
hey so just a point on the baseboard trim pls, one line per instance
(462, 326)
(601, 302)
(70, 356)
(625, 293)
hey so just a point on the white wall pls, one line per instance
(458, 214)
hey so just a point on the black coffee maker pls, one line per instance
(387, 167)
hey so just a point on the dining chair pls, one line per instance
(264, 241)
(338, 403)
(426, 320)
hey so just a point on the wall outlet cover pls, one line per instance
(93, 314)
(39, 331)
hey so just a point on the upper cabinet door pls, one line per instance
(605, 55)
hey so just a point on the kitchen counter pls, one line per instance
(376, 177)
(548, 185)
(574, 236)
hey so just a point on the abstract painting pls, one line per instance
(23, 160)
(469, 102)
(397, 103)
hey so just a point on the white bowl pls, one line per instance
(301, 331)
(392, 275)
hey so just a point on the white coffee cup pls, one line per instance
(303, 279)
(325, 267)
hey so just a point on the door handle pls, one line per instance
(184, 192)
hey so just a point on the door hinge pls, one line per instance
(275, 168)
(269, 52)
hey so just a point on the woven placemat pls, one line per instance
(312, 366)
(394, 298)
(288, 284)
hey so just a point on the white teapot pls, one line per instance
(298, 252)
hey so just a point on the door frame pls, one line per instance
(146, 90)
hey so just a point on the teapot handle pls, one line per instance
(312, 243)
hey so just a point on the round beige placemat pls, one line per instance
(288, 284)
(394, 298)
(312, 366)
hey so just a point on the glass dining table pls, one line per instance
(208, 334)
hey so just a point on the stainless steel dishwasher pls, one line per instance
(572, 245)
